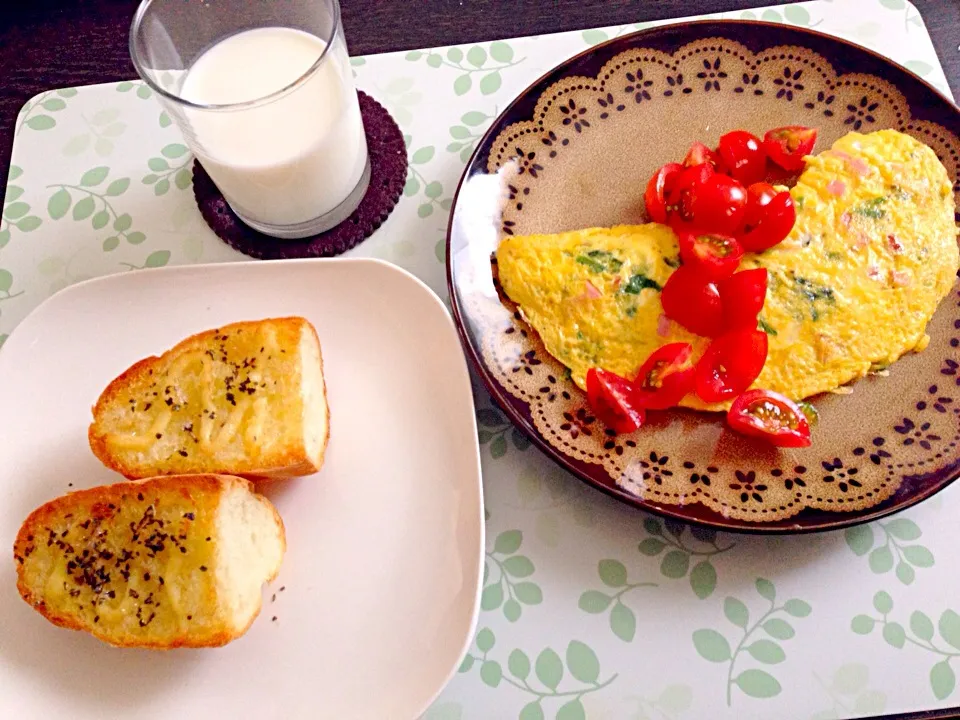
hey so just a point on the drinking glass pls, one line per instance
(264, 96)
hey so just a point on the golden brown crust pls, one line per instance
(88, 501)
(98, 442)
(292, 462)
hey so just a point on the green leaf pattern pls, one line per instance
(6, 286)
(400, 95)
(552, 499)
(685, 554)
(465, 135)
(99, 134)
(682, 552)
(511, 589)
(921, 633)
(16, 213)
(429, 193)
(848, 692)
(165, 174)
(556, 682)
(478, 66)
(39, 113)
(885, 544)
(138, 88)
(498, 434)
(623, 620)
(715, 647)
(91, 198)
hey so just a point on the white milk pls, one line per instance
(294, 158)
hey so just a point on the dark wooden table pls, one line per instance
(58, 43)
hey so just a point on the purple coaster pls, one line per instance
(388, 174)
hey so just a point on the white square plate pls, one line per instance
(378, 595)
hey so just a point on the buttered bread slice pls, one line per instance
(246, 399)
(169, 562)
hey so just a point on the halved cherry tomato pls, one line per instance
(698, 154)
(693, 301)
(730, 365)
(776, 220)
(610, 399)
(680, 192)
(718, 205)
(771, 416)
(656, 193)
(742, 295)
(665, 378)
(712, 255)
(744, 156)
(787, 146)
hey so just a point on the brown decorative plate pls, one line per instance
(575, 151)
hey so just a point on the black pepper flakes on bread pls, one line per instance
(246, 399)
(175, 561)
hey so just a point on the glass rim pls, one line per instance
(135, 58)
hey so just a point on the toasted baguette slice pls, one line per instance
(163, 563)
(246, 399)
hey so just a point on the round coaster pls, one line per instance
(388, 174)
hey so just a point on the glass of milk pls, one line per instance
(263, 93)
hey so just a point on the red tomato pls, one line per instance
(656, 194)
(680, 193)
(742, 295)
(776, 220)
(712, 255)
(730, 365)
(693, 301)
(718, 205)
(665, 378)
(771, 416)
(744, 156)
(787, 146)
(609, 396)
(700, 154)
(759, 196)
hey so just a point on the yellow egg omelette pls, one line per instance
(850, 290)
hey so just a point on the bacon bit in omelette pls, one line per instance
(590, 292)
(827, 348)
(874, 272)
(896, 247)
(901, 278)
(663, 325)
(845, 219)
(861, 242)
(859, 166)
(836, 187)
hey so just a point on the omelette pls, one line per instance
(850, 290)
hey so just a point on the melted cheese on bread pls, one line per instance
(246, 399)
